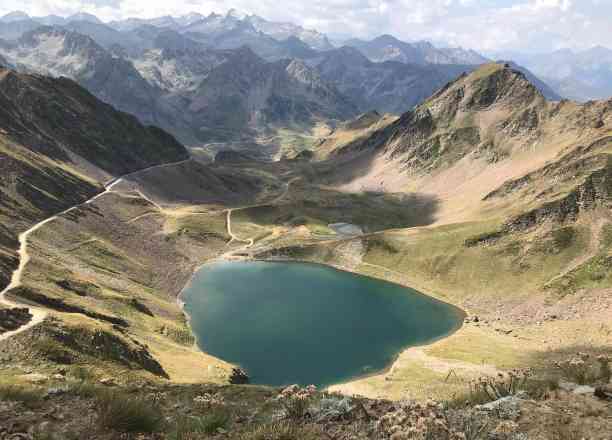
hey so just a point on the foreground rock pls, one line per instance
(239, 377)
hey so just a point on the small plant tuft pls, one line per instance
(585, 369)
(502, 385)
(281, 431)
(29, 396)
(191, 428)
(296, 400)
(123, 413)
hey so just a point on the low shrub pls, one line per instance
(333, 408)
(191, 428)
(296, 401)
(29, 396)
(502, 385)
(124, 413)
(428, 421)
(585, 369)
(282, 431)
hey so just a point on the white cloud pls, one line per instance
(480, 24)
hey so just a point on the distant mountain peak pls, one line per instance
(386, 38)
(389, 48)
(236, 14)
(14, 16)
(493, 83)
(84, 16)
(192, 15)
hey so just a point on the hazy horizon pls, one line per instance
(486, 25)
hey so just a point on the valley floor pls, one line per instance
(116, 266)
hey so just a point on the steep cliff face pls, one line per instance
(175, 69)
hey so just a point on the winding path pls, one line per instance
(228, 218)
(233, 237)
(592, 250)
(39, 314)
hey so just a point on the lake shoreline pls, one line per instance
(458, 312)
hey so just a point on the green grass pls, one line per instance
(606, 237)
(188, 428)
(316, 208)
(181, 335)
(595, 273)
(123, 413)
(281, 431)
(28, 395)
(510, 265)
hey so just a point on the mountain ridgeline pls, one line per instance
(177, 87)
(260, 77)
(58, 145)
(470, 141)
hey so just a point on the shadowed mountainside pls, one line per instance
(58, 144)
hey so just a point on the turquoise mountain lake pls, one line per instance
(303, 323)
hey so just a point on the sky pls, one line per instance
(485, 25)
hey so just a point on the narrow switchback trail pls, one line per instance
(39, 314)
(250, 241)
(591, 251)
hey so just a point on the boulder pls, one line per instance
(12, 319)
(604, 392)
(239, 377)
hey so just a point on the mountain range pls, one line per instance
(172, 65)
(389, 48)
(169, 71)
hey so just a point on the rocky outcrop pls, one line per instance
(239, 377)
(105, 346)
(12, 319)
(62, 306)
(595, 190)
(139, 306)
